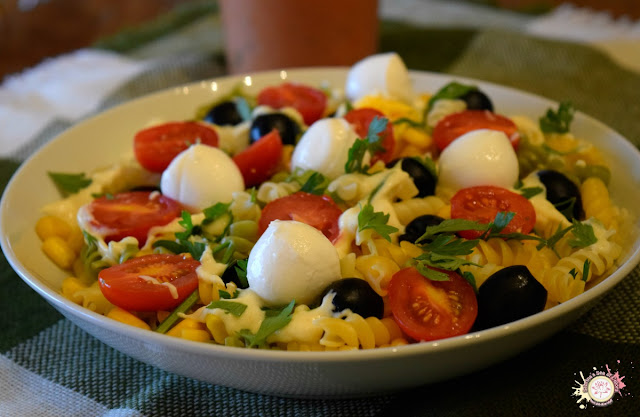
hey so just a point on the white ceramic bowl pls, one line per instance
(102, 139)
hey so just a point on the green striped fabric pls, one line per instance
(71, 373)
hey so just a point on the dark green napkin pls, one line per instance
(539, 381)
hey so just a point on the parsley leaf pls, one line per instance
(585, 270)
(187, 224)
(452, 90)
(369, 219)
(372, 143)
(69, 183)
(558, 121)
(270, 324)
(214, 212)
(529, 192)
(584, 235)
(195, 249)
(315, 184)
(231, 307)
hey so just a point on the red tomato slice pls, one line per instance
(259, 162)
(132, 214)
(156, 146)
(457, 124)
(308, 101)
(482, 203)
(432, 310)
(361, 119)
(123, 286)
(318, 211)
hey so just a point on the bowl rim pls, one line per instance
(414, 349)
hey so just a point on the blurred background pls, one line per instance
(31, 30)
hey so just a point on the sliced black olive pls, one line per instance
(150, 188)
(231, 275)
(422, 178)
(224, 114)
(418, 226)
(265, 123)
(357, 295)
(508, 295)
(477, 100)
(562, 193)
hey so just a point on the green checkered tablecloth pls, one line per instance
(65, 371)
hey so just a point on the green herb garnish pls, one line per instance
(241, 270)
(369, 219)
(182, 308)
(452, 90)
(69, 183)
(372, 143)
(584, 235)
(529, 192)
(272, 323)
(558, 121)
(232, 307)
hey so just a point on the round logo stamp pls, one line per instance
(601, 389)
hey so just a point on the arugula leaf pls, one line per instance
(584, 235)
(241, 270)
(452, 226)
(231, 307)
(430, 273)
(182, 308)
(452, 90)
(529, 192)
(315, 184)
(196, 249)
(371, 143)
(269, 325)
(69, 183)
(468, 276)
(214, 212)
(369, 219)
(558, 121)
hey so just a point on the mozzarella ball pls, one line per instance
(324, 147)
(479, 157)
(200, 177)
(383, 74)
(292, 261)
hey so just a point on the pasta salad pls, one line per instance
(338, 217)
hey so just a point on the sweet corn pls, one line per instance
(75, 240)
(59, 251)
(48, 226)
(123, 316)
(196, 335)
(70, 288)
(176, 331)
(216, 328)
(445, 211)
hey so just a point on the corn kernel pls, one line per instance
(123, 316)
(70, 287)
(176, 331)
(75, 240)
(48, 226)
(196, 335)
(58, 250)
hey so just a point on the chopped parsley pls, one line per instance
(69, 183)
(558, 121)
(232, 307)
(369, 219)
(241, 270)
(274, 321)
(371, 144)
(452, 90)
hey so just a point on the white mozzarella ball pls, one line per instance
(201, 176)
(292, 261)
(383, 74)
(324, 147)
(479, 157)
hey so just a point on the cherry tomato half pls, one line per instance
(361, 119)
(308, 101)
(483, 202)
(131, 214)
(155, 147)
(432, 310)
(150, 282)
(457, 124)
(259, 162)
(318, 211)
